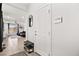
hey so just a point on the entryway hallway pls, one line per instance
(13, 44)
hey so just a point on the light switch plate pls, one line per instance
(58, 20)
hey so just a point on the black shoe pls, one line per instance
(1, 50)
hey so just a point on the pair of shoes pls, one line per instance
(1, 50)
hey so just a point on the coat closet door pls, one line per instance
(43, 32)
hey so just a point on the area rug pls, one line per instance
(19, 54)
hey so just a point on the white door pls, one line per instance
(66, 34)
(43, 31)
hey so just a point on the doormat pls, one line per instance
(19, 54)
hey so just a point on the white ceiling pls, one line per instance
(15, 10)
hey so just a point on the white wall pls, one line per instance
(38, 26)
(66, 34)
(32, 11)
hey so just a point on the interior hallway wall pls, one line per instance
(33, 7)
(33, 10)
(66, 34)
